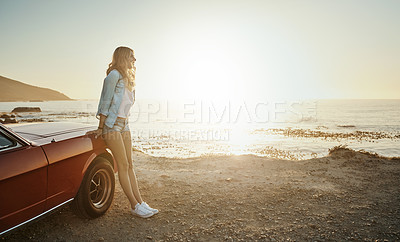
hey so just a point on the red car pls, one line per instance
(46, 165)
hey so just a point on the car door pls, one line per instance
(67, 161)
(23, 180)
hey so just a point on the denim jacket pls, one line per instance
(111, 97)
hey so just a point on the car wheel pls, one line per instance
(97, 190)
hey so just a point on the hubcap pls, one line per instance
(100, 188)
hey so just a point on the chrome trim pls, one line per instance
(100, 189)
(57, 132)
(30, 220)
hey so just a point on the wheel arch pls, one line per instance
(80, 205)
(103, 153)
(106, 154)
(110, 158)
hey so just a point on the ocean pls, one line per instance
(295, 130)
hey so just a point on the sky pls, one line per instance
(207, 49)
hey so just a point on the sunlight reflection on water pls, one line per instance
(289, 130)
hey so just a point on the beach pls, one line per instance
(347, 195)
(248, 120)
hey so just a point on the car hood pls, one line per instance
(43, 133)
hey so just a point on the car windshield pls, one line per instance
(5, 142)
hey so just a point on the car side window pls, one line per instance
(7, 142)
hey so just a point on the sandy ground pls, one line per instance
(345, 196)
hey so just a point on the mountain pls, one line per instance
(12, 91)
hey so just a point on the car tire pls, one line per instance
(96, 192)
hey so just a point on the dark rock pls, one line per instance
(5, 116)
(35, 120)
(26, 109)
(9, 121)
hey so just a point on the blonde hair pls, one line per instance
(120, 62)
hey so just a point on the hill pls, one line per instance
(12, 91)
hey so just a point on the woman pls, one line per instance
(117, 97)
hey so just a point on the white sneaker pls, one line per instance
(142, 212)
(146, 206)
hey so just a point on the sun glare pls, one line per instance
(207, 62)
(207, 74)
(240, 140)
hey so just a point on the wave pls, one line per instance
(336, 152)
(346, 126)
(309, 133)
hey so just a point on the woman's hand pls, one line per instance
(96, 132)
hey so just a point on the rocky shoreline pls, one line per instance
(34, 114)
(15, 117)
